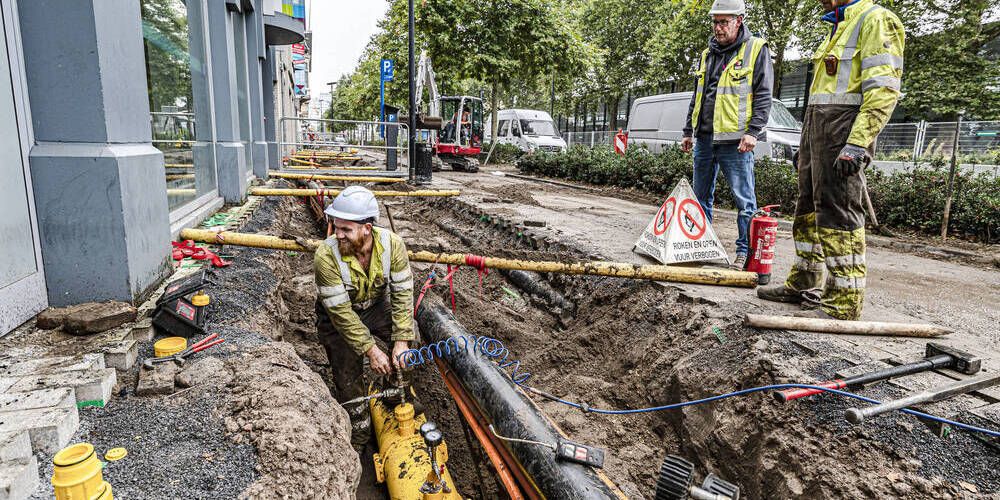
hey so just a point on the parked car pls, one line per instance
(659, 120)
(529, 130)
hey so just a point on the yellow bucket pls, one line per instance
(169, 346)
(77, 474)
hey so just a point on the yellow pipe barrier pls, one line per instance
(334, 192)
(676, 274)
(329, 167)
(179, 177)
(77, 474)
(182, 192)
(178, 165)
(344, 178)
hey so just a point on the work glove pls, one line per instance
(851, 160)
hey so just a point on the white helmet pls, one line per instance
(728, 7)
(355, 204)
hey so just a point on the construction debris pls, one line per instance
(86, 319)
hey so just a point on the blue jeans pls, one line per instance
(738, 169)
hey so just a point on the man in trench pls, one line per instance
(858, 71)
(365, 291)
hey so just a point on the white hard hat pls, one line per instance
(728, 7)
(355, 204)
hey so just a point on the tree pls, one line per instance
(168, 67)
(620, 32)
(947, 68)
(786, 25)
(677, 44)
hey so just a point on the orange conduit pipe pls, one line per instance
(513, 478)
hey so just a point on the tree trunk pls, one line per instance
(779, 65)
(494, 104)
(617, 100)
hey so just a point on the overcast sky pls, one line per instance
(341, 29)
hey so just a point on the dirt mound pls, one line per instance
(637, 345)
(304, 449)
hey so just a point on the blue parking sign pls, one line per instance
(388, 67)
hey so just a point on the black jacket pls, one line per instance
(763, 83)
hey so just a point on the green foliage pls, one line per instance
(912, 200)
(504, 154)
(168, 66)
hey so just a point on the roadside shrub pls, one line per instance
(912, 199)
(502, 154)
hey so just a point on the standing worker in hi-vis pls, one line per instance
(858, 72)
(365, 292)
(728, 114)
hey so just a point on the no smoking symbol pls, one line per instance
(692, 219)
(663, 217)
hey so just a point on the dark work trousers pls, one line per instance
(829, 227)
(348, 366)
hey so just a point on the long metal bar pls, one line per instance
(857, 416)
(412, 114)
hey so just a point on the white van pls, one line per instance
(529, 130)
(659, 120)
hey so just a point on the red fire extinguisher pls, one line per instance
(763, 237)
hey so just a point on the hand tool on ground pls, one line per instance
(846, 327)
(676, 476)
(876, 227)
(857, 416)
(936, 356)
(179, 358)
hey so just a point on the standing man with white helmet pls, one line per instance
(729, 113)
(365, 291)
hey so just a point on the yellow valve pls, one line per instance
(77, 474)
(200, 299)
(402, 461)
(169, 346)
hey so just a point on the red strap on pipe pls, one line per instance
(423, 291)
(479, 263)
(793, 394)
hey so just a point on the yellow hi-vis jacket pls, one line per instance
(734, 95)
(344, 287)
(866, 53)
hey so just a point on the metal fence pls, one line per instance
(172, 127)
(381, 139)
(978, 142)
(601, 138)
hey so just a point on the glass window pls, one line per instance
(177, 81)
(781, 117)
(504, 128)
(536, 128)
(242, 87)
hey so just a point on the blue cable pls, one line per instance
(744, 392)
(495, 351)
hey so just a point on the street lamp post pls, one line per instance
(412, 115)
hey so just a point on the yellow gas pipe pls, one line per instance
(334, 192)
(677, 274)
(403, 461)
(344, 178)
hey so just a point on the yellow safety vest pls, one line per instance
(734, 94)
(861, 65)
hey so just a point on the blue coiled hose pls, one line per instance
(491, 348)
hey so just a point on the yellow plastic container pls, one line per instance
(169, 346)
(77, 474)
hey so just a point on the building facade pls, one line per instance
(126, 121)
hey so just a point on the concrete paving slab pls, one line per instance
(121, 355)
(18, 478)
(50, 429)
(14, 445)
(52, 364)
(92, 387)
(143, 330)
(61, 397)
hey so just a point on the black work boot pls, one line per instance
(780, 293)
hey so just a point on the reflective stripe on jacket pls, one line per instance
(345, 287)
(866, 61)
(734, 95)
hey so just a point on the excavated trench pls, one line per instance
(623, 344)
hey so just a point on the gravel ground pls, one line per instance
(176, 449)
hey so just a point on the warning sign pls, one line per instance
(680, 231)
